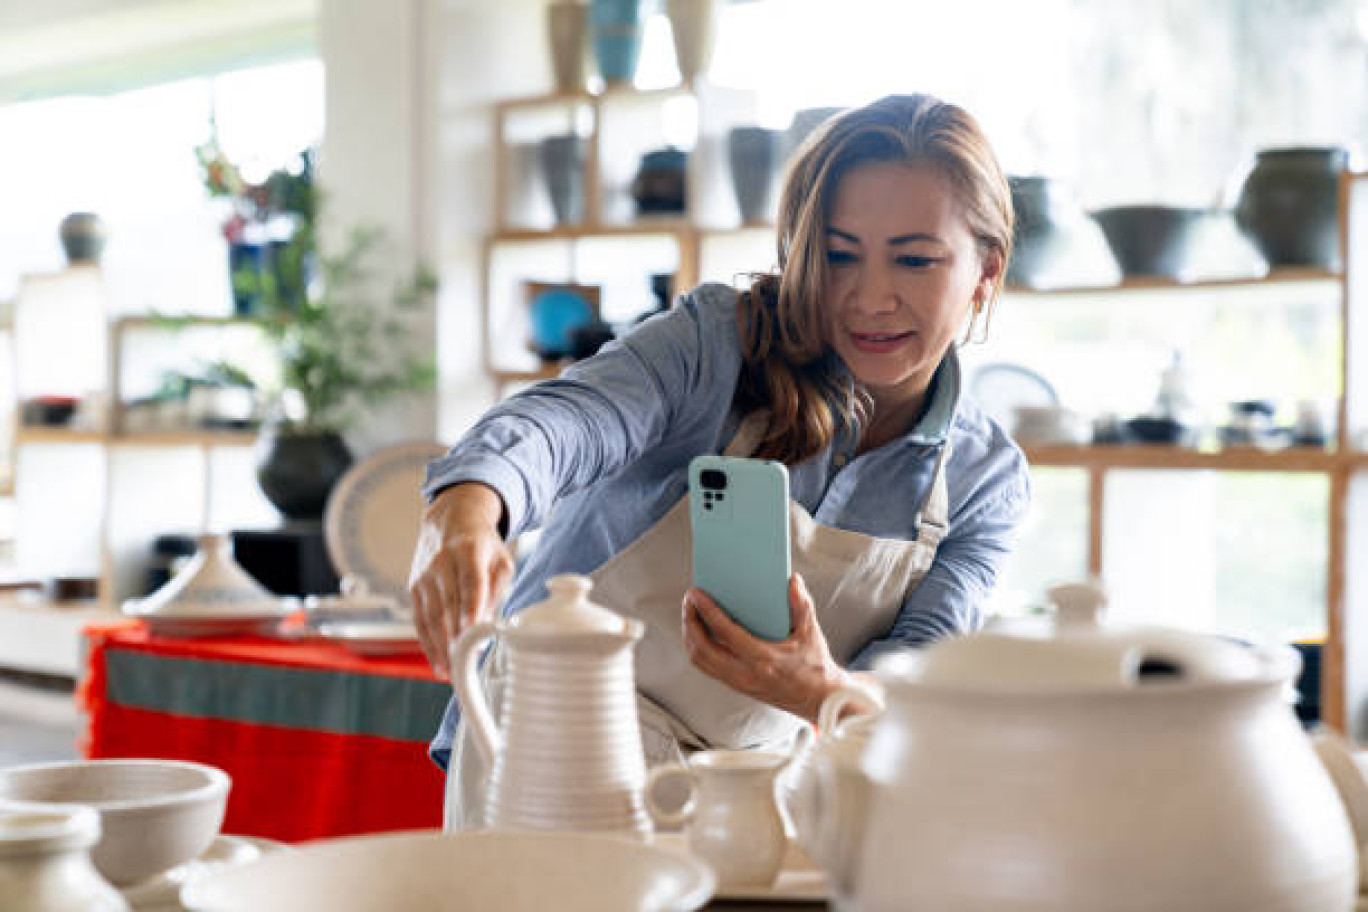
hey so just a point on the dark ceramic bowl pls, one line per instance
(1150, 240)
(1169, 431)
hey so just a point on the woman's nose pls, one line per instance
(874, 291)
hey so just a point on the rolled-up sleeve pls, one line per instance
(562, 435)
(949, 599)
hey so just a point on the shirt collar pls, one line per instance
(934, 425)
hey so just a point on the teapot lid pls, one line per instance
(568, 611)
(1075, 651)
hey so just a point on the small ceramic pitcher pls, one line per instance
(731, 814)
(45, 861)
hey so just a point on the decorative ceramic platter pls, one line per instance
(371, 521)
(162, 893)
(378, 638)
(799, 880)
(507, 871)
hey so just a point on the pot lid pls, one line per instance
(567, 610)
(212, 584)
(1075, 650)
(354, 598)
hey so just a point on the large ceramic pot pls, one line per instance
(660, 186)
(753, 153)
(1044, 210)
(693, 26)
(1289, 206)
(617, 27)
(562, 161)
(297, 469)
(1075, 765)
(567, 23)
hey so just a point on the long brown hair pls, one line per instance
(787, 367)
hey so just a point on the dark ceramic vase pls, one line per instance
(1043, 209)
(297, 469)
(562, 161)
(617, 27)
(1289, 206)
(83, 237)
(753, 153)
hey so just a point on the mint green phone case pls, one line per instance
(741, 539)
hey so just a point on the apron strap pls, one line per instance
(749, 435)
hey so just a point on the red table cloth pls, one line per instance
(319, 742)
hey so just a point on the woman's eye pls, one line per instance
(840, 257)
(916, 262)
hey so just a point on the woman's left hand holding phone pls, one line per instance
(461, 567)
(795, 674)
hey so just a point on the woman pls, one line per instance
(895, 228)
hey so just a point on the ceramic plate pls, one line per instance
(508, 871)
(799, 880)
(377, 638)
(162, 893)
(371, 521)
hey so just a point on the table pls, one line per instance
(319, 742)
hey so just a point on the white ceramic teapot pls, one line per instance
(569, 754)
(1077, 766)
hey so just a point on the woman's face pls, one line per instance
(903, 271)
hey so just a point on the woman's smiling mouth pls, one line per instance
(879, 343)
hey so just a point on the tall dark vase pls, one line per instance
(297, 469)
(1289, 206)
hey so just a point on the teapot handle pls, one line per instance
(465, 679)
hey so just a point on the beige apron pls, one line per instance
(858, 584)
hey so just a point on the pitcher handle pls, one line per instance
(863, 696)
(671, 820)
(465, 679)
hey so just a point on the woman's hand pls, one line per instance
(460, 567)
(795, 674)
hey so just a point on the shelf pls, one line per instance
(609, 93)
(184, 438)
(58, 435)
(1137, 456)
(174, 322)
(26, 435)
(1157, 283)
(654, 227)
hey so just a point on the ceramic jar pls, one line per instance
(753, 153)
(1076, 765)
(83, 236)
(1044, 211)
(567, 26)
(1289, 206)
(1151, 240)
(567, 754)
(660, 186)
(562, 163)
(693, 27)
(617, 27)
(730, 816)
(45, 861)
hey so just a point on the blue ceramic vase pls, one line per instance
(617, 26)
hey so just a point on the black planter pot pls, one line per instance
(297, 469)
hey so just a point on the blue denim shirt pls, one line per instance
(595, 457)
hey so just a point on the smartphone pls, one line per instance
(739, 516)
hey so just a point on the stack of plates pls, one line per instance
(211, 596)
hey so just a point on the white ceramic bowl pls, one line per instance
(154, 814)
(482, 871)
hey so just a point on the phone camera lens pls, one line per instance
(713, 479)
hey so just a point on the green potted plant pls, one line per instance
(338, 351)
(338, 354)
